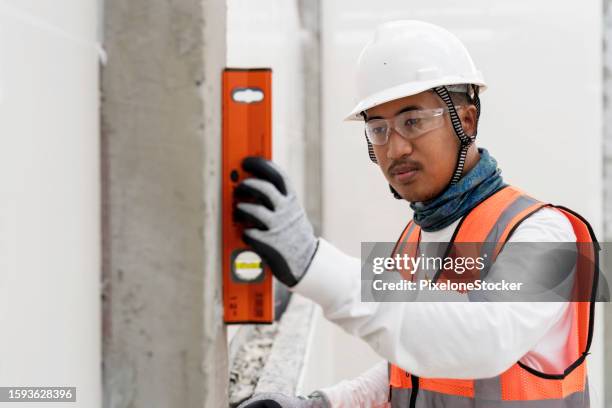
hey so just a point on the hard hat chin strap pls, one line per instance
(370, 149)
(373, 158)
(465, 141)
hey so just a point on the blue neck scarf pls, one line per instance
(479, 183)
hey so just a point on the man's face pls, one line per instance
(418, 169)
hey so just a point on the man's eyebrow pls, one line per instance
(405, 109)
(409, 108)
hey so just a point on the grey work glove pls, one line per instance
(277, 400)
(276, 226)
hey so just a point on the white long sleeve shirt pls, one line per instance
(440, 339)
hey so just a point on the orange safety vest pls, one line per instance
(494, 220)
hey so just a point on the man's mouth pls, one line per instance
(404, 173)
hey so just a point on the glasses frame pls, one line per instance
(394, 122)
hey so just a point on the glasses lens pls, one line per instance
(376, 130)
(414, 123)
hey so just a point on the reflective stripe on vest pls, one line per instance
(490, 224)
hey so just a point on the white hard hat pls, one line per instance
(407, 57)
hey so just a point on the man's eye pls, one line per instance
(378, 130)
(411, 122)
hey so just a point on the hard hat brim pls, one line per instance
(409, 89)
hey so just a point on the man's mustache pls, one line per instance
(403, 165)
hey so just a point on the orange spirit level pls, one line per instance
(247, 131)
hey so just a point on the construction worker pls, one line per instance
(418, 94)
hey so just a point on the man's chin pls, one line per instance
(406, 194)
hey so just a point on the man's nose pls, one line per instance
(397, 146)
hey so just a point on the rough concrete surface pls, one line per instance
(270, 358)
(310, 21)
(249, 360)
(283, 370)
(164, 342)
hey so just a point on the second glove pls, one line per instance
(276, 400)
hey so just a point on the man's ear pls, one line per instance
(469, 119)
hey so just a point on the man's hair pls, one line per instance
(460, 98)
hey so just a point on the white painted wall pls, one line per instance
(541, 119)
(49, 197)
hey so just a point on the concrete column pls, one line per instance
(164, 341)
(310, 20)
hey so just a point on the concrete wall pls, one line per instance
(49, 197)
(164, 341)
(541, 118)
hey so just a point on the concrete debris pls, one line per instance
(249, 362)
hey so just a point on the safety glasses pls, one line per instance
(409, 124)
